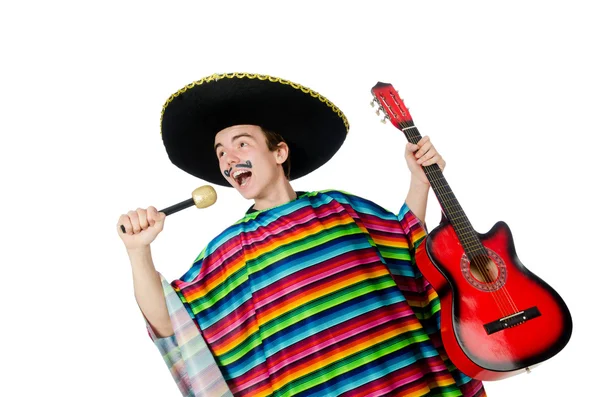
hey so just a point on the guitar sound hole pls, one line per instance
(483, 269)
(487, 273)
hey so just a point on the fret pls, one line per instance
(452, 210)
(459, 226)
(471, 248)
(472, 240)
(449, 212)
(443, 191)
(468, 238)
(439, 185)
(460, 216)
(452, 203)
(465, 231)
(449, 201)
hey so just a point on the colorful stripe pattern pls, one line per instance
(319, 297)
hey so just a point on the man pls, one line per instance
(310, 293)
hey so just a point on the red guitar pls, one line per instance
(497, 318)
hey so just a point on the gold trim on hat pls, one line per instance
(216, 77)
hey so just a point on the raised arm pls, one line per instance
(141, 228)
(417, 156)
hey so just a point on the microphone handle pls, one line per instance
(178, 207)
(172, 209)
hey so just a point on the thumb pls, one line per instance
(410, 148)
(156, 218)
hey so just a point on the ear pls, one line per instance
(282, 152)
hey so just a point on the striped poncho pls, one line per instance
(316, 297)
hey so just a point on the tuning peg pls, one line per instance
(373, 102)
(378, 111)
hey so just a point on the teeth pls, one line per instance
(238, 172)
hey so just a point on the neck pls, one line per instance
(279, 193)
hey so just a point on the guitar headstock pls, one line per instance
(389, 101)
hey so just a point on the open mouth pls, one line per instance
(242, 176)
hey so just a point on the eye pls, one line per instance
(242, 144)
(220, 154)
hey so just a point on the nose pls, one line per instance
(231, 159)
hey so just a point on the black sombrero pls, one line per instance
(312, 126)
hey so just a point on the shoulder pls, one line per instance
(358, 203)
(223, 247)
(339, 195)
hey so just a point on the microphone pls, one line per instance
(202, 197)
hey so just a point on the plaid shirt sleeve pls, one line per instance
(186, 354)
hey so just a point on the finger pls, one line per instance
(135, 221)
(150, 216)
(143, 217)
(427, 155)
(153, 216)
(411, 147)
(125, 223)
(424, 145)
(435, 159)
(427, 146)
(424, 141)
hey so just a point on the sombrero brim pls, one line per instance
(311, 125)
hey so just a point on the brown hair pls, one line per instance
(274, 139)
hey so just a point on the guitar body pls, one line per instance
(476, 297)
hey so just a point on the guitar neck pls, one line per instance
(390, 102)
(448, 201)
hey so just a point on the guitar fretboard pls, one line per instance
(452, 209)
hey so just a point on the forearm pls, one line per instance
(148, 291)
(416, 199)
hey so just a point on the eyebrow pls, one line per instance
(243, 134)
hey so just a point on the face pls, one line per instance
(246, 162)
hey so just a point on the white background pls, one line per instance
(508, 92)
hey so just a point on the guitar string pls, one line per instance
(414, 137)
(480, 262)
(480, 259)
(477, 259)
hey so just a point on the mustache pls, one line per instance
(247, 164)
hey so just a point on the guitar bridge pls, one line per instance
(512, 321)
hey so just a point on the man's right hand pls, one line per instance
(141, 227)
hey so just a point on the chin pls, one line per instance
(247, 194)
